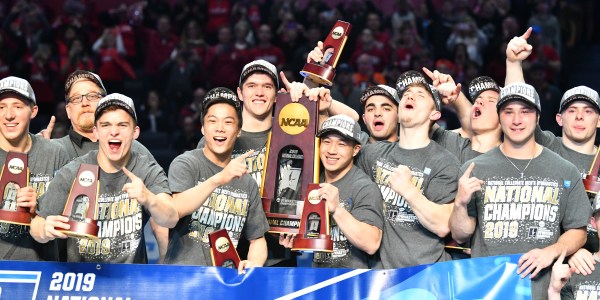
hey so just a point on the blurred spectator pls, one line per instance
(468, 34)
(368, 45)
(249, 11)
(548, 24)
(76, 58)
(193, 109)
(152, 117)
(313, 35)
(365, 75)
(406, 43)
(403, 16)
(550, 96)
(344, 89)
(6, 58)
(189, 137)
(60, 130)
(244, 37)
(392, 72)
(382, 36)
(188, 11)
(545, 54)
(180, 73)
(422, 59)
(218, 14)
(291, 38)
(159, 45)
(264, 49)
(223, 60)
(41, 70)
(27, 26)
(113, 68)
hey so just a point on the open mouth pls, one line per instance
(219, 139)
(331, 160)
(476, 112)
(378, 125)
(409, 106)
(114, 145)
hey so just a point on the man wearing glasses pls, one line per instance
(83, 90)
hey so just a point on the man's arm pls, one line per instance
(364, 236)
(535, 260)
(191, 199)
(462, 226)
(257, 255)
(162, 239)
(517, 51)
(431, 215)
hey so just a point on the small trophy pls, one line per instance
(15, 175)
(292, 162)
(591, 182)
(222, 251)
(81, 208)
(314, 224)
(324, 72)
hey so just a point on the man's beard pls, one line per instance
(86, 123)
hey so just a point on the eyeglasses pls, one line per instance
(92, 97)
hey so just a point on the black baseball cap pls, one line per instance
(409, 78)
(82, 74)
(580, 93)
(259, 65)
(115, 99)
(520, 92)
(382, 90)
(222, 95)
(480, 85)
(342, 125)
(18, 86)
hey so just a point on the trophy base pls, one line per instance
(591, 184)
(82, 229)
(15, 217)
(317, 243)
(282, 223)
(321, 74)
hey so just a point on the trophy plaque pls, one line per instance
(323, 72)
(222, 251)
(15, 175)
(591, 182)
(81, 208)
(292, 162)
(314, 225)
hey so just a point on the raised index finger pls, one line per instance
(246, 155)
(284, 80)
(527, 33)
(428, 72)
(467, 173)
(561, 258)
(129, 174)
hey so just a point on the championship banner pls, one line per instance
(480, 278)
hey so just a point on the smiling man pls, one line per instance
(353, 200)
(520, 172)
(212, 190)
(127, 179)
(416, 177)
(17, 108)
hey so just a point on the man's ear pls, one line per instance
(559, 120)
(435, 115)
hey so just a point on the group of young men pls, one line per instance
(394, 194)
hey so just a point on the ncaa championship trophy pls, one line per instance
(314, 225)
(591, 182)
(15, 175)
(222, 251)
(81, 207)
(292, 162)
(324, 72)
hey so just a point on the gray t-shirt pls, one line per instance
(121, 220)
(582, 287)
(43, 159)
(582, 161)
(362, 199)
(434, 169)
(515, 215)
(77, 145)
(247, 141)
(235, 207)
(456, 144)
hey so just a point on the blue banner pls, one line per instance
(482, 278)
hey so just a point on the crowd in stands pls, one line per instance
(167, 54)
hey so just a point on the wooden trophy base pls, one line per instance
(450, 243)
(87, 229)
(591, 184)
(321, 74)
(280, 223)
(15, 217)
(318, 243)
